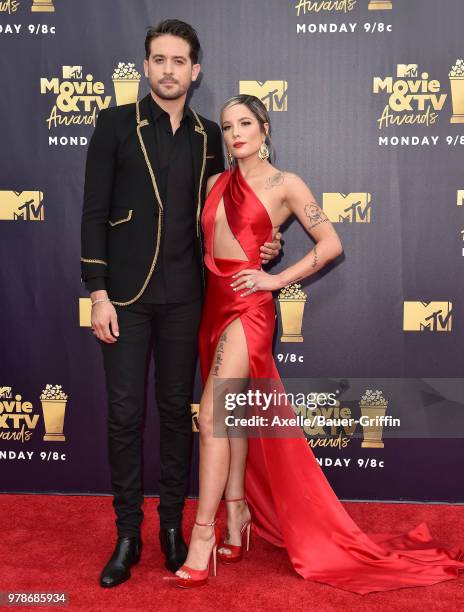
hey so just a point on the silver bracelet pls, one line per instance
(100, 300)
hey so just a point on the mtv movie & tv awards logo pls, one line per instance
(302, 7)
(335, 426)
(414, 98)
(78, 97)
(19, 417)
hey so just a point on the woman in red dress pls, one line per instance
(275, 483)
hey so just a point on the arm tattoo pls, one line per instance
(314, 264)
(219, 352)
(315, 214)
(274, 180)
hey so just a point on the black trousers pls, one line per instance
(170, 331)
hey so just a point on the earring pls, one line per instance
(230, 158)
(263, 152)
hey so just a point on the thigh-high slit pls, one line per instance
(292, 503)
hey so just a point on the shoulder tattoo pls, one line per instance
(274, 180)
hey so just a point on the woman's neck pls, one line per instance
(252, 165)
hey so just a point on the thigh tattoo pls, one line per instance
(219, 353)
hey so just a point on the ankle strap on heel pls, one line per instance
(236, 500)
(206, 524)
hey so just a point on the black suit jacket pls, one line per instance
(122, 217)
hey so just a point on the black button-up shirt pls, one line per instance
(177, 274)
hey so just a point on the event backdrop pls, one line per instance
(366, 99)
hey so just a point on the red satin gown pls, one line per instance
(291, 501)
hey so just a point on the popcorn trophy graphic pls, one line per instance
(53, 400)
(126, 82)
(42, 6)
(380, 5)
(373, 405)
(456, 75)
(292, 301)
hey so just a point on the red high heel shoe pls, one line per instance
(236, 552)
(199, 577)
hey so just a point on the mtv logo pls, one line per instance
(72, 73)
(273, 94)
(460, 197)
(351, 207)
(21, 206)
(406, 70)
(85, 309)
(5, 392)
(431, 316)
(195, 408)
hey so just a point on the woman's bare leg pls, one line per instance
(230, 362)
(237, 512)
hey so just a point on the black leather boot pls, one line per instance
(126, 554)
(173, 546)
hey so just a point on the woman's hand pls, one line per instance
(262, 281)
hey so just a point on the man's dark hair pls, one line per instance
(175, 27)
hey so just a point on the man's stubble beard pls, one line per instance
(167, 95)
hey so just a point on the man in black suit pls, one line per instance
(142, 261)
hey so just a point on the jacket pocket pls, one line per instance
(120, 215)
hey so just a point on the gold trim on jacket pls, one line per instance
(95, 261)
(201, 131)
(140, 124)
(128, 218)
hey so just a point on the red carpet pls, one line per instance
(60, 543)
